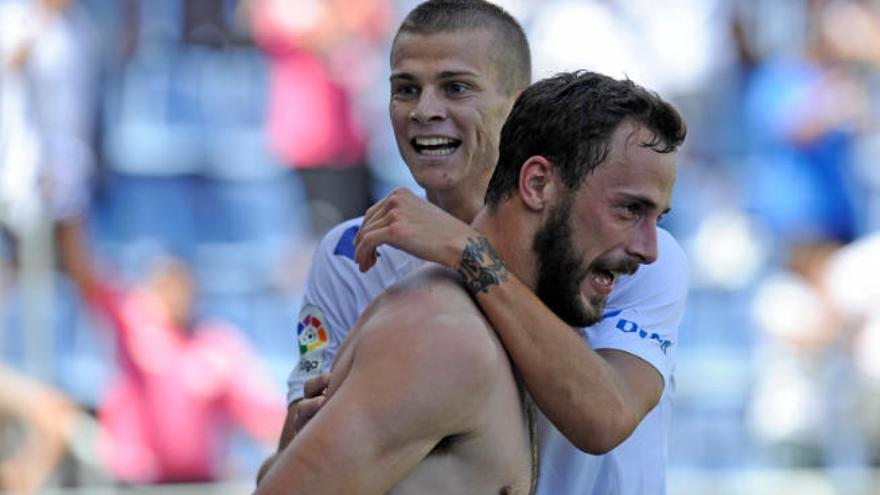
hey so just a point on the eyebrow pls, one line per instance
(646, 202)
(401, 77)
(450, 74)
(447, 74)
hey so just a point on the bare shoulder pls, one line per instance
(428, 321)
(421, 343)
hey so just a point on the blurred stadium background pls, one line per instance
(138, 130)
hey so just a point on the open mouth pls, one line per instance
(435, 145)
(603, 280)
(603, 275)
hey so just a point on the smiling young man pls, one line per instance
(449, 99)
(457, 67)
(446, 60)
(423, 398)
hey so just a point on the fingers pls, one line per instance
(316, 386)
(365, 251)
(365, 255)
(366, 240)
(313, 391)
(372, 212)
(378, 210)
(375, 230)
(306, 410)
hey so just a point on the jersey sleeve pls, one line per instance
(329, 309)
(644, 316)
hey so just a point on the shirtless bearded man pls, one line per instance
(423, 398)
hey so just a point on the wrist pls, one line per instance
(479, 266)
(455, 251)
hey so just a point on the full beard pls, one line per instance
(561, 272)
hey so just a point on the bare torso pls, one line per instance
(495, 455)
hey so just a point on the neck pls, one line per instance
(510, 233)
(462, 206)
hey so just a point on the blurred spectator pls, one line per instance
(321, 52)
(671, 46)
(805, 112)
(47, 109)
(796, 355)
(181, 384)
(36, 423)
(851, 277)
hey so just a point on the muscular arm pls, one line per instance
(595, 398)
(287, 434)
(337, 290)
(298, 413)
(411, 384)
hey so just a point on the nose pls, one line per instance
(429, 107)
(643, 244)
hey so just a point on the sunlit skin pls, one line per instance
(615, 213)
(596, 399)
(447, 107)
(611, 222)
(445, 85)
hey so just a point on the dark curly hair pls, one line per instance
(569, 119)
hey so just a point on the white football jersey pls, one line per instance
(641, 317)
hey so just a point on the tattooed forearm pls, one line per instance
(480, 267)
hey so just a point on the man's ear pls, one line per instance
(538, 183)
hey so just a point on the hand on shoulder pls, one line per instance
(414, 225)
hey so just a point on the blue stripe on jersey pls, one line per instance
(611, 314)
(345, 246)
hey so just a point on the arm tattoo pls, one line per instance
(480, 266)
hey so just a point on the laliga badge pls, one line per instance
(312, 337)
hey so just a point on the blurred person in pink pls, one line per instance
(181, 385)
(322, 53)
